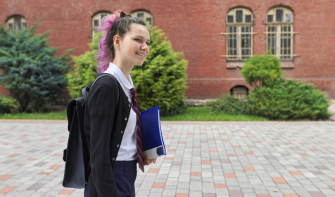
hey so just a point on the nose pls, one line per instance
(144, 46)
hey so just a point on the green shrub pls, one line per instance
(8, 105)
(31, 72)
(288, 100)
(161, 80)
(83, 73)
(261, 69)
(228, 104)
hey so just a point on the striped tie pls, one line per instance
(139, 146)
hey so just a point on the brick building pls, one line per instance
(215, 36)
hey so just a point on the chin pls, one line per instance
(139, 63)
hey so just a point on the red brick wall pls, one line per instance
(194, 27)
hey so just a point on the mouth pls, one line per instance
(141, 54)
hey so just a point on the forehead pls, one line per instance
(139, 30)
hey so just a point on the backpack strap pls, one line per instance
(86, 89)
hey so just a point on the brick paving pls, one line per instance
(250, 159)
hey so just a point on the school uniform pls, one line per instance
(110, 132)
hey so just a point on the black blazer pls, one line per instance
(105, 122)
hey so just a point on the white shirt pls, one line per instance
(128, 149)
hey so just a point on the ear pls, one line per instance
(117, 41)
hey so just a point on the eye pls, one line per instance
(137, 39)
(148, 43)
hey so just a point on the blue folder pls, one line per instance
(152, 138)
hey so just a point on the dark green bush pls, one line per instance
(31, 72)
(289, 100)
(228, 104)
(261, 69)
(9, 105)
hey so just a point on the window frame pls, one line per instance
(13, 21)
(239, 92)
(238, 35)
(279, 32)
(146, 15)
(97, 16)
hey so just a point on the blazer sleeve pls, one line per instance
(102, 107)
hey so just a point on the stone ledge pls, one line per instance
(241, 64)
(197, 102)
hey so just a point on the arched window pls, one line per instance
(240, 92)
(239, 34)
(280, 32)
(96, 20)
(16, 23)
(144, 15)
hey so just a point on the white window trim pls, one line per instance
(145, 15)
(97, 16)
(278, 26)
(239, 26)
(11, 20)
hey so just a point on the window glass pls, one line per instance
(96, 23)
(18, 23)
(248, 18)
(239, 16)
(288, 18)
(102, 16)
(24, 25)
(10, 26)
(279, 15)
(148, 20)
(140, 15)
(239, 36)
(270, 18)
(230, 19)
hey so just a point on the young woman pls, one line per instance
(112, 124)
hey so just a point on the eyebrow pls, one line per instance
(142, 37)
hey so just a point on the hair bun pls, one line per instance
(122, 14)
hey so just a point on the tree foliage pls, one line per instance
(8, 105)
(228, 104)
(289, 100)
(31, 72)
(261, 69)
(84, 72)
(161, 80)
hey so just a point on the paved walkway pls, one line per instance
(204, 159)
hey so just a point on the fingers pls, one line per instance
(146, 160)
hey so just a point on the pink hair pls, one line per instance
(103, 55)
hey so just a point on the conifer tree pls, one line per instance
(31, 72)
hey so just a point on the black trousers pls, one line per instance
(125, 173)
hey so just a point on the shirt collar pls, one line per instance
(121, 76)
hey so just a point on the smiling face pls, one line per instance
(134, 46)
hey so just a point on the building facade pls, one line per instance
(215, 36)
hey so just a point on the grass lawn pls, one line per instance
(37, 116)
(191, 114)
(205, 114)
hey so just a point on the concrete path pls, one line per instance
(258, 159)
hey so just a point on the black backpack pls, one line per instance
(76, 155)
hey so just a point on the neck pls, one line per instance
(125, 67)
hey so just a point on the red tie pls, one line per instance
(136, 109)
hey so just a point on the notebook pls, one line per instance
(152, 137)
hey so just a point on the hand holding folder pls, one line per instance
(152, 138)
